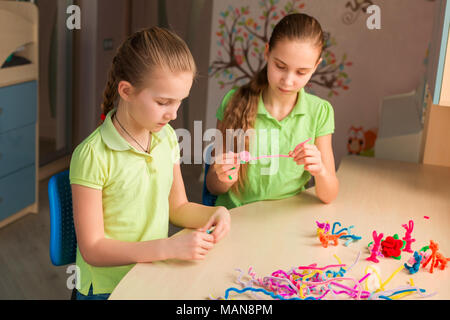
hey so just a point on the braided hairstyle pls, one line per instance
(242, 108)
(138, 54)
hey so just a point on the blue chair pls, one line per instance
(208, 199)
(63, 240)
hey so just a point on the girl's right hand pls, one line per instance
(227, 167)
(191, 246)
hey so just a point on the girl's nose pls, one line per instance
(288, 80)
(171, 115)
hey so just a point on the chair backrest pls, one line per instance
(63, 241)
(208, 199)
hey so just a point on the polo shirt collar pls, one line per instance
(115, 141)
(299, 108)
(110, 136)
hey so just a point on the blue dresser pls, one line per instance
(18, 149)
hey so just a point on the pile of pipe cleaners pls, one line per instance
(316, 283)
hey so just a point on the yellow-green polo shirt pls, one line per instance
(311, 117)
(135, 192)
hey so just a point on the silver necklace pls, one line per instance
(148, 143)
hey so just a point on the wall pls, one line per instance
(100, 19)
(376, 63)
(190, 19)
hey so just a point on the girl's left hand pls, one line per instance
(221, 221)
(309, 156)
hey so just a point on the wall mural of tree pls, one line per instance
(241, 39)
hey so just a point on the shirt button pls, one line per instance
(148, 160)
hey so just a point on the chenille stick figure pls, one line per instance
(436, 258)
(434, 248)
(325, 238)
(416, 265)
(409, 228)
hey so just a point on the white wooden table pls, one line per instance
(270, 235)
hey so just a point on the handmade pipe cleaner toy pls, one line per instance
(417, 258)
(423, 252)
(325, 238)
(392, 247)
(375, 249)
(436, 258)
(407, 238)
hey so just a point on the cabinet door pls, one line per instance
(17, 191)
(18, 104)
(17, 149)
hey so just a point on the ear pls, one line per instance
(125, 90)
(317, 64)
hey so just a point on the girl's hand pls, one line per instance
(309, 156)
(221, 221)
(190, 246)
(227, 167)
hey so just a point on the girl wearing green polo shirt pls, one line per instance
(125, 176)
(274, 102)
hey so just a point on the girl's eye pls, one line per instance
(162, 103)
(302, 74)
(279, 67)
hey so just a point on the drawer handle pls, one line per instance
(1, 111)
(1, 199)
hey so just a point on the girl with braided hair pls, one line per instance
(125, 176)
(273, 114)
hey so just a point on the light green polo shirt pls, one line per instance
(135, 192)
(279, 178)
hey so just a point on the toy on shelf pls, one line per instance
(436, 258)
(415, 261)
(375, 249)
(407, 238)
(392, 247)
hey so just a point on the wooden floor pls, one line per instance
(26, 271)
